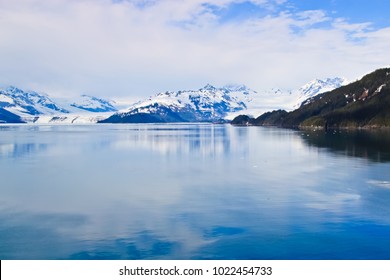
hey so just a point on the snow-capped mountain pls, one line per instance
(93, 104)
(364, 103)
(275, 98)
(315, 87)
(219, 103)
(31, 106)
(22, 102)
(206, 104)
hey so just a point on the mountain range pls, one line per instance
(328, 103)
(217, 104)
(207, 104)
(364, 103)
(18, 106)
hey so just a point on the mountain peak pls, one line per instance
(30, 105)
(208, 87)
(208, 103)
(93, 104)
(361, 104)
(318, 86)
(238, 88)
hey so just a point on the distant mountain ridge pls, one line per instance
(27, 102)
(18, 105)
(215, 104)
(207, 104)
(361, 104)
(93, 104)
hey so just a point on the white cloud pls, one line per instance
(308, 18)
(127, 48)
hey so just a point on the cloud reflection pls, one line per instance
(195, 191)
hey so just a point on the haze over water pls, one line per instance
(192, 191)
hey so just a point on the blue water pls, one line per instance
(192, 191)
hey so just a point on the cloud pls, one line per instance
(311, 17)
(139, 47)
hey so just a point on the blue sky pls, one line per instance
(136, 48)
(355, 11)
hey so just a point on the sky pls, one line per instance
(136, 48)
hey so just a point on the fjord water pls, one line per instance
(192, 191)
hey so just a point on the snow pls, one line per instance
(217, 102)
(238, 99)
(5, 98)
(379, 89)
(317, 87)
(202, 100)
(40, 108)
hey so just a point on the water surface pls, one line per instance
(192, 191)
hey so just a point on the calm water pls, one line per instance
(192, 191)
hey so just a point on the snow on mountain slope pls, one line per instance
(315, 87)
(206, 104)
(275, 99)
(93, 104)
(214, 104)
(26, 103)
(31, 106)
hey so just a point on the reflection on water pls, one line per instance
(13, 150)
(192, 191)
(372, 145)
(202, 139)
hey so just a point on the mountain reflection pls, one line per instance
(371, 145)
(12, 150)
(199, 139)
(192, 191)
